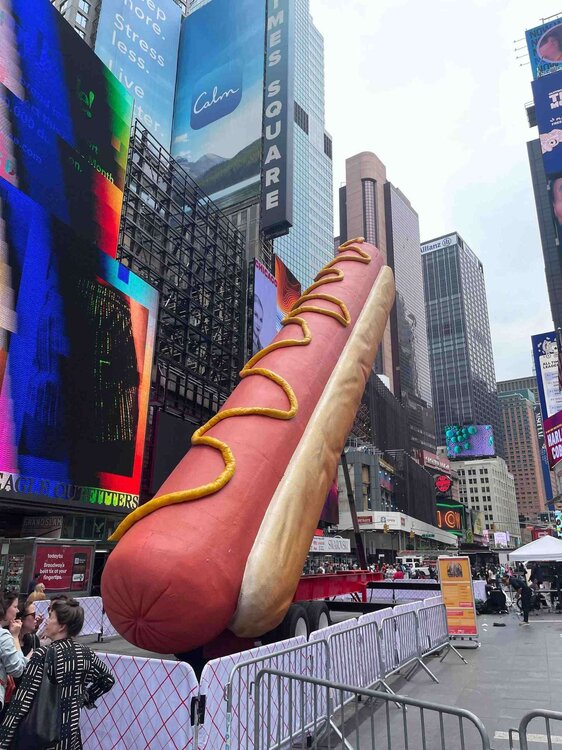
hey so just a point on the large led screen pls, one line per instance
(553, 436)
(545, 356)
(64, 121)
(472, 441)
(76, 349)
(545, 48)
(265, 308)
(288, 290)
(218, 111)
(138, 41)
(547, 94)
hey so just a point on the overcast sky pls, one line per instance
(434, 88)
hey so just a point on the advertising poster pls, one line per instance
(75, 383)
(456, 587)
(545, 356)
(547, 94)
(64, 122)
(545, 48)
(138, 41)
(472, 441)
(288, 290)
(265, 308)
(63, 568)
(553, 437)
(218, 111)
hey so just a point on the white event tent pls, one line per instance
(546, 548)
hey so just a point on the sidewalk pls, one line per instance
(516, 670)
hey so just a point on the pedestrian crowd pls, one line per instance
(45, 680)
(390, 571)
(527, 587)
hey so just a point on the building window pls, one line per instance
(79, 32)
(301, 118)
(64, 6)
(370, 210)
(84, 6)
(81, 20)
(328, 146)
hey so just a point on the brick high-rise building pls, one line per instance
(522, 452)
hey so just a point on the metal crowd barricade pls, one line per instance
(399, 645)
(434, 633)
(309, 659)
(92, 606)
(364, 723)
(525, 737)
(148, 708)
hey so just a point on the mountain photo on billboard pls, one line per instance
(217, 129)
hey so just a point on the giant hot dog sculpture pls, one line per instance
(223, 543)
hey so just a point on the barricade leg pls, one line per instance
(450, 647)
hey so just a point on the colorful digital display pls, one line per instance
(64, 121)
(547, 94)
(76, 348)
(545, 48)
(472, 441)
(265, 308)
(288, 290)
(218, 113)
(138, 41)
(450, 517)
(545, 356)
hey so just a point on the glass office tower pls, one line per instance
(460, 343)
(309, 244)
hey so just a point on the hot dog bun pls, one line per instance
(277, 557)
(197, 557)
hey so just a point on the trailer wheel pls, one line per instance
(295, 623)
(318, 615)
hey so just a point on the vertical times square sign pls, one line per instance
(277, 165)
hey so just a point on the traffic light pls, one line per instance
(386, 528)
(412, 534)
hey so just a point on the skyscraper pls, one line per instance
(372, 207)
(308, 246)
(522, 451)
(526, 387)
(460, 343)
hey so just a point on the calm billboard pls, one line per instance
(218, 111)
(138, 41)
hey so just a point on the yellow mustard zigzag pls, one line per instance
(327, 275)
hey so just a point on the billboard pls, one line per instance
(472, 441)
(288, 290)
(218, 112)
(64, 121)
(545, 48)
(277, 166)
(76, 351)
(545, 357)
(553, 437)
(138, 41)
(450, 517)
(64, 567)
(547, 94)
(265, 308)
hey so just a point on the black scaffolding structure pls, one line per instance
(173, 236)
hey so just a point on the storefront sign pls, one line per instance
(443, 483)
(43, 526)
(458, 596)
(330, 544)
(364, 519)
(63, 568)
